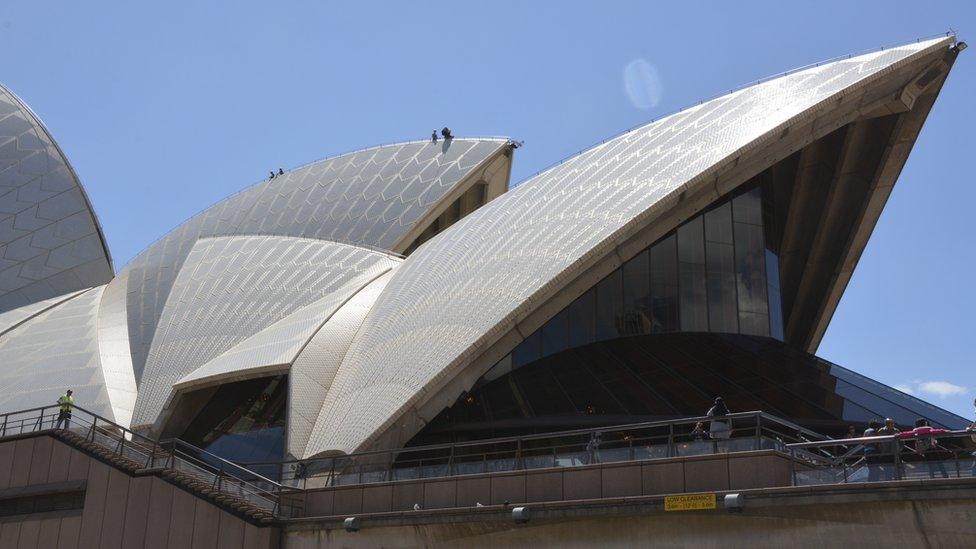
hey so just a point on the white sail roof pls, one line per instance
(466, 288)
(50, 241)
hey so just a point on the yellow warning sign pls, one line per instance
(689, 502)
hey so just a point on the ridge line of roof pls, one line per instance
(71, 170)
(366, 247)
(946, 34)
(492, 138)
(252, 185)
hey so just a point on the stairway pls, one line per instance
(196, 484)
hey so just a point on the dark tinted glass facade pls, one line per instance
(243, 421)
(715, 273)
(652, 377)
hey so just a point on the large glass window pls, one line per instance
(555, 334)
(664, 286)
(691, 269)
(636, 317)
(716, 272)
(528, 351)
(750, 259)
(623, 380)
(720, 264)
(747, 207)
(582, 319)
(609, 306)
(243, 421)
(772, 293)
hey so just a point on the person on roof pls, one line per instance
(65, 405)
(433, 136)
(281, 172)
(446, 132)
(270, 175)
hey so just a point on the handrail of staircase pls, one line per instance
(226, 473)
(187, 448)
(43, 418)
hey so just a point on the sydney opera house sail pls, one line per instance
(50, 240)
(403, 294)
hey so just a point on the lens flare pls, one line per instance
(642, 84)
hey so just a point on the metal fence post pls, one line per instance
(152, 456)
(898, 463)
(671, 451)
(758, 431)
(793, 465)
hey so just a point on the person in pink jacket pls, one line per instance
(926, 445)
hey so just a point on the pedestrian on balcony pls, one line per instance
(699, 433)
(927, 446)
(593, 448)
(972, 429)
(871, 451)
(719, 427)
(889, 449)
(65, 404)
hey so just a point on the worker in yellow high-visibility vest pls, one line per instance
(65, 404)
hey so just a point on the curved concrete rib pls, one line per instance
(314, 369)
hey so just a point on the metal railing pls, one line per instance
(639, 441)
(143, 452)
(948, 454)
(816, 459)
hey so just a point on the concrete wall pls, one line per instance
(939, 523)
(119, 510)
(760, 469)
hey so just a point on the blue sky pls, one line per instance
(164, 109)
